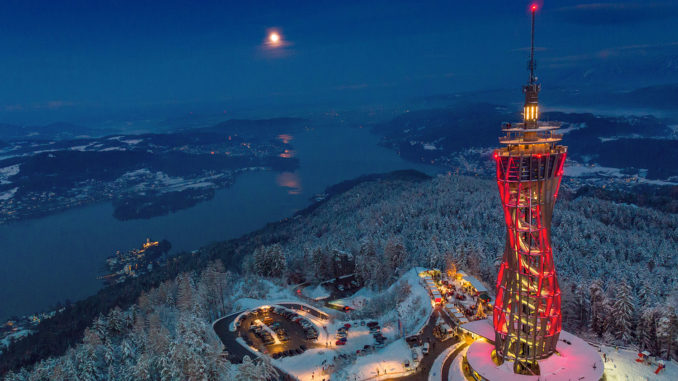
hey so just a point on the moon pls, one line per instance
(274, 38)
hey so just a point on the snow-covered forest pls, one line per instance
(616, 266)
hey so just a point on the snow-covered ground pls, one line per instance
(14, 336)
(435, 373)
(413, 312)
(7, 172)
(456, 373)
(621, 365)
(572, 127)
(160, 180)
(8, 194)
(316, 293)
(406, 319)
(386, 362)
(575, 169)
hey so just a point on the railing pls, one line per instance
(521, 126)
(518, 137)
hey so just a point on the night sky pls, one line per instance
(62, 58)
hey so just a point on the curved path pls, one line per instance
(235, 351)
(449, 360)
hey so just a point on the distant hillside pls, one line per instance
(52, 131)
(146, 174)
(256, 126)
(598, 245)
(436, 136)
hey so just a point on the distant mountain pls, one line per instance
(657, 97)
(660, 96)
(628, 70)
(143, 173)
(438, 136)
(253, 127)
(52, 131)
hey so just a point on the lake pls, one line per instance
(58, 257)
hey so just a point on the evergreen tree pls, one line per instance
(667, 329)
(598, 307)
(647, 331)
(622, 313)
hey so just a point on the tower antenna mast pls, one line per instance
(532, 64)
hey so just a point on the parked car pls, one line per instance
(339, 342)
(425, 348)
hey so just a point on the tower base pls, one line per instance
(574, 359)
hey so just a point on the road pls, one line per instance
(448, 361)
(236, 352)
(312, 311)
(437, 347)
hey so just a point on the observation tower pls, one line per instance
(524, 341)
(526, 315)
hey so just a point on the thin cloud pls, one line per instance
(608, 53)
(616, 13)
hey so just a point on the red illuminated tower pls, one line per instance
(527, 316)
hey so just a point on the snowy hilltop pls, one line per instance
(616, 266)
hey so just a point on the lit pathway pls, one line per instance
(454, 372)
(441, 367)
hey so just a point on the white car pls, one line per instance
(425, 348)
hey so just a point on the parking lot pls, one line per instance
(277, 331)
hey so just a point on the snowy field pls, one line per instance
(575, 169)
(8, 194)
(8, 172)
(621, 365)
(383, 362)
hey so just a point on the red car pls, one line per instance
(339, 342)
(347, 325)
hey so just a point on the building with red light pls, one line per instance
(527, 316)
(524, 340)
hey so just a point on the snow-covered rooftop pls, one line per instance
(481, 328)
(477, 284)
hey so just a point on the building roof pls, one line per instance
(478, 285)
(481, 328)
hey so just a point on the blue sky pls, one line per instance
(116, 55)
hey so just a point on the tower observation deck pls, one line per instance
(527, 312)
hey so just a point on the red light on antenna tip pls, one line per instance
(533, 7)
